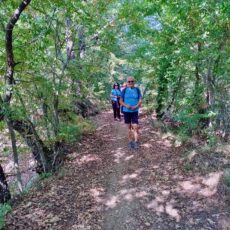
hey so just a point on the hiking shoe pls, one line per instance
(130, 145)
(135, 145)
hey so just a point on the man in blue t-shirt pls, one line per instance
(131, 100)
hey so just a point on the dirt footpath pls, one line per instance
(103, 185)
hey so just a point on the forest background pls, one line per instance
(58, 60)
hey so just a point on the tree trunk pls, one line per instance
(4, 190)
(56, 114)
(160, 101)
(161, 95)
(15, 156)
(174, 93)
(27, 130)
(9, 50)
(46, 117)
(162, 88)
(210, 90)
(81, 54)
(198, 91)
(223, 112)
(41, 153)
(69, 41)
(10, 55)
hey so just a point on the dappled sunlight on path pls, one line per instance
(204, 186)
(104, 185)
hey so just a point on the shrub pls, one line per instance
(4, 209)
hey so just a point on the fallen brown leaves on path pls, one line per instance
(103, 185)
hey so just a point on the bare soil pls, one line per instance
(103, 185)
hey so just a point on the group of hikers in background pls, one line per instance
(127, 100)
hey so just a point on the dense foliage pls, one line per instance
(68, 53)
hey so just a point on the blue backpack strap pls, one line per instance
(123, 94)
(138, 93)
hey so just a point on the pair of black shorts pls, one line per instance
(131, 117)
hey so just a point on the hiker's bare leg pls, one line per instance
(135, 132)
(130, 134)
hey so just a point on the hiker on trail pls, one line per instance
(122, 88)
(131, 99)
(115, 97)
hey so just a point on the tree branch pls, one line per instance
(9, 49)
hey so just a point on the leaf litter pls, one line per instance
(104, 185)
